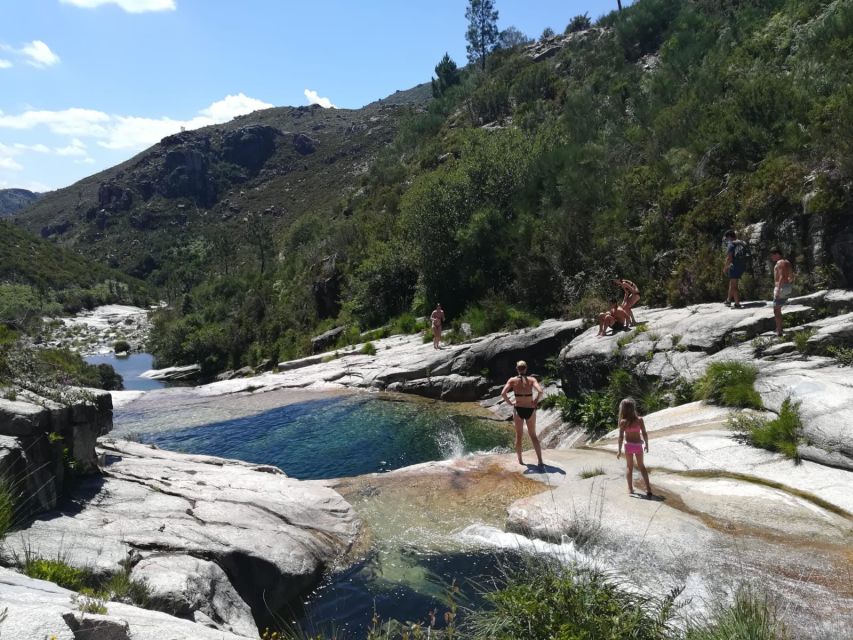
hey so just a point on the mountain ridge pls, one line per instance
(14, 200)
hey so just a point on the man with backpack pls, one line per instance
(737, 260)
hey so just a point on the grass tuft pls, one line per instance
(591, 473)
(801, 340)
(749, 617)
(782, 434)
(730, 384)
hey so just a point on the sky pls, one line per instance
(86, 84)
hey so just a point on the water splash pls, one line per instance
(450, 441)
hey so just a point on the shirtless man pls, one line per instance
(783, 285)
(632, 296)
(436, 320)
(617, 318)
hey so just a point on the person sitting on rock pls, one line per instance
(632, 296)
(436, 320)
(616, 318)
(631, 426)
(525, 406)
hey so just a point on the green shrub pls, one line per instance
(404, 324)
(7, 507)
(121, 346)
(781, 434)
(55, 571)
(801, 339)
(729, 384)
(749, 617)
(547, 601)
(368, 349)
(842, 355)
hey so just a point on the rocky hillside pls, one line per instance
(13, 200)
(272, 165)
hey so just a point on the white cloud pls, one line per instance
(38, 148)
(76, 148)
(5, 64)
(125, 132)
(38, 54)
(131, 6)
(314, 98)
(68, 122)
(10, 164)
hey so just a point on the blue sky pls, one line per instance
(85, 84)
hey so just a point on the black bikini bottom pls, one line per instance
(525, 412)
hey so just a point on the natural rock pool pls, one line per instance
(416, 543)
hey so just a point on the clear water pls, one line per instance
(340, 436)
(416, 548)
(130, 368)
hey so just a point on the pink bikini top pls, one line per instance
(634, 427)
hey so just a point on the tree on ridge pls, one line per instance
(482, 34)
(447, 75)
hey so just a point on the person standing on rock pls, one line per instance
(632, 296)
(436, 320)
(735, 265)
(783, 285)
(525, 406)
(632, 430)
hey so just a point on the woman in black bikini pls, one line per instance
(525, 405)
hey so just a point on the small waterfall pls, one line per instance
(450, 442)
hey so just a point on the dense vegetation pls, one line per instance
(38, 279)
(627, 148)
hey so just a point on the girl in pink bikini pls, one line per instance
(631, 426)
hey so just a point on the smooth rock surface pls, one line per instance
(184, 586)
(681, 343)
(272, 535)
(39, 610)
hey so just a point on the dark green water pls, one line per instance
(340, 436)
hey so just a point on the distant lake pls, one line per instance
(130, 368)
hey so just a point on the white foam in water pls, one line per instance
(481, 535)
(450, 443)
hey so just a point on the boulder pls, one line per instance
(304, 144)
(271, 535)
(185, 586)
(499, 353)
(251, 146)
(452, 388)
(326, 339)
(35, 610)
(187, 372)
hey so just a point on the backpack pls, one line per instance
(742, 256)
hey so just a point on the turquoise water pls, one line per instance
(403, 576)
(340, 436)
(130, 367)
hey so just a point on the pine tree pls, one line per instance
(482, 34)
(447, 75)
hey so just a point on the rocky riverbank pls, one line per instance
(95, 332)
(218, 542)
